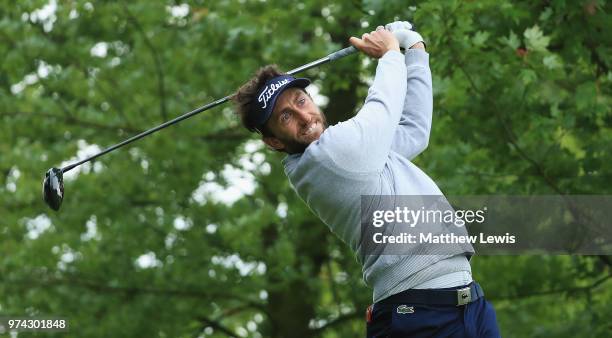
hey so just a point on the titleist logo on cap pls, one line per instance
(267, 93)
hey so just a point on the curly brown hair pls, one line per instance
(245, 95)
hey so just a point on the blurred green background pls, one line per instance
(194, 231)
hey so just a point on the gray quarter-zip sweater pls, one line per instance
(370, 154)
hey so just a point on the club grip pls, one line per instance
(342, 53)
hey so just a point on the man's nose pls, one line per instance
(302, 116)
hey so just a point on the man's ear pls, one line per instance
(274, 143)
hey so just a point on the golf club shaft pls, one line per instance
(331, 57)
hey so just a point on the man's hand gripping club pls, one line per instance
(376, 43)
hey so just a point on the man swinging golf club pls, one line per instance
(331, 167)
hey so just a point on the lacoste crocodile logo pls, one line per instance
(404, 309)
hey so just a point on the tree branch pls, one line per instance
(357, 4)
(574, 289)
(184, 292)
(215, 325)
(229, 134)
(510, 136)
(70, 119)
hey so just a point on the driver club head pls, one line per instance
(53, 188)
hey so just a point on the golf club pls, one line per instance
(53, 185)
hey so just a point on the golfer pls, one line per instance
(331, 167)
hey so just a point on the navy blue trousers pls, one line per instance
(476, 319)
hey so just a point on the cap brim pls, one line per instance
(299, 82)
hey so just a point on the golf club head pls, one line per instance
(53, 188)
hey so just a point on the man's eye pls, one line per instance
(284, 117)
(301, 101)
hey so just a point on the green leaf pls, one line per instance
(527, 76)
(546, 14)
(512, 40)
(480, 38)
(570, 142)
(552, 62)
(535, 39)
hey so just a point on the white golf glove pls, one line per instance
(404, 33)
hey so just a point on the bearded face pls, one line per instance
(296, 121)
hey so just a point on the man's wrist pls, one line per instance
(391, 51)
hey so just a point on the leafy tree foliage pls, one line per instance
(194, 232)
